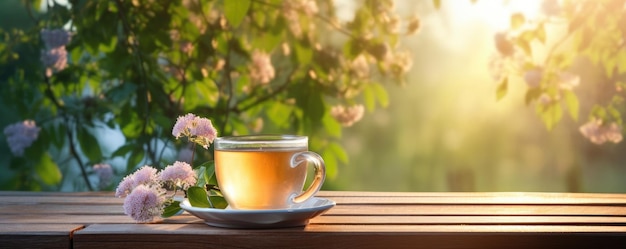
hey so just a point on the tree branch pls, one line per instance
(70, 135)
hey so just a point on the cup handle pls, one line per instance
(320, 173)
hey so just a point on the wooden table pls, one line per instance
(360, 220)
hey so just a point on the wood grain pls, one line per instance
(360, 220)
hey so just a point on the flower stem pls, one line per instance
(193, 153)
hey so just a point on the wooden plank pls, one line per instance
(37, 235)
(67, 208)
(470, 220)
(479, 200)
(364, 210)
(371, 236)
(83, 200)
(329, 194)
(353, 220)
(408, 210)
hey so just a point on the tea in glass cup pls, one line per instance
(266, 171)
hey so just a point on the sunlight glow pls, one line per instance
(497, 13)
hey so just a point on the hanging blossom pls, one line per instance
(347, 116)
(599, 133)
(261, 69)
(198, 130)
(533, 77)
(104, 171)
(54, 57)
(292, 11)
(21, 135)
(360, 67)
(179, 174)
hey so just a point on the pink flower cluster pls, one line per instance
(21, 135)
(144, 190)
(261, 69)
(104, 172)
(54, 57)
(180, 174)
(347, 116)
(198, 130)
(598, 133)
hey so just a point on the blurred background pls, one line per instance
(444, 130)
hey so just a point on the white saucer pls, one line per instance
(297, 215)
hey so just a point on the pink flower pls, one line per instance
(347, 116)
(598, 133)
(182, 124)
(199, 130)
(145, 203)
(180, 173)
(146, 175)
(55, 38)
(105, 174)
(55, 58)
(204, 131)
(533, 77)
(21, 135)
(261, 69)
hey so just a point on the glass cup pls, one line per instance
(266, 171)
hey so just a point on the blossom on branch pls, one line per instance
(261, 69)
(347, 116)
(55, 38)
(21, 135)
(54, 60)
(198, 130)
(54, 57)
(104, 172)
(599, 133)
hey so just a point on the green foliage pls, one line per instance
(135, 66)
(584, 45)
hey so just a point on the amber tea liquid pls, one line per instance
(259, 178)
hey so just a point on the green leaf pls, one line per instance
(517, 20)
(198, 197)
(123, 150)
(525, 45)
(171, 209)
(621, 61)
(218, 202)
(333, 128)
(336, 149)
(47, 170)
(135, 158)
(279, 114)
(304, 54)
(502, 89)
(369, 98)
(381, 94)
(330, 162)
(532, 94)
(89, 145)
(550, 114)
(540, 32)
(572, 104)
(235, 11)
(209, 173)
